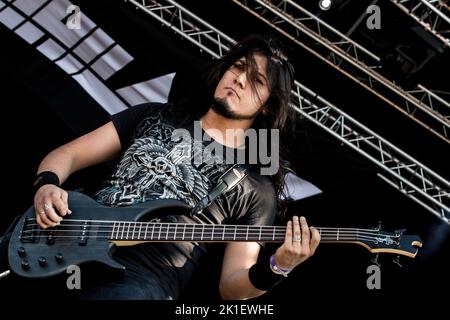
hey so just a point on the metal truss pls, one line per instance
(339, 51)
(432, 15)
(405, 173)
(181, 20)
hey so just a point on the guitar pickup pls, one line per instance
(50, 237)
(84, 233)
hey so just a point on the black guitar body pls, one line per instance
(36, 253)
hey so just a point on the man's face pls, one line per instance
(238, 99)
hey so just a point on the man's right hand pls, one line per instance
(50, 205)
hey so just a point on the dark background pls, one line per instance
(44, 108)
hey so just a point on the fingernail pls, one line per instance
(302, 218)
(69, 211)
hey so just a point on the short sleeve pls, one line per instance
(127, 120)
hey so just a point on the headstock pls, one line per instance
(397, 242)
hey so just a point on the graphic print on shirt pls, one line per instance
(157, 166)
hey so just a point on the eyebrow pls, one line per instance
(243, 60)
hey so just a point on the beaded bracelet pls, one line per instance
(276, 269)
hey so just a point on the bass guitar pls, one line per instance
(92, 231)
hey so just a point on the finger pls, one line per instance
(50, 213)
(47, 222)
(65, 199)
(60, 206)
(39, 220)
(288, 235)
(297, 231)
(315, 239)
(305, 233)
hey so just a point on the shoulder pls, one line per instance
(150, 108)
(138, 112)
(259, 183)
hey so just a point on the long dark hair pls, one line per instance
(280, 75)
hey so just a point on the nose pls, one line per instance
(241, 79)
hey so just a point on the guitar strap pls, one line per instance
(226, 182)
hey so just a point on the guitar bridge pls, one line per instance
(29, 233)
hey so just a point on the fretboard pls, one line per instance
(149, 231)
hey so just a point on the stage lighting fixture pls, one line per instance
(325, 4)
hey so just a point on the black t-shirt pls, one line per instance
(161, 161)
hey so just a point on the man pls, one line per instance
(248, 89)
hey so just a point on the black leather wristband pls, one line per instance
(45, 177)
(262, 277)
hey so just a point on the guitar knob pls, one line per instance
(21, 252)
(59, 257)
(42, 261)
(25, 264)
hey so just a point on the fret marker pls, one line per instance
(139, 232)
(112, 234)
(146, 229)
(134, 228)
(123, 229)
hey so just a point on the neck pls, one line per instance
(228, 132)
(147, 231)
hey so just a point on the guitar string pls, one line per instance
(190, 228)
(206, 234)
(374, 239)
(137, 234)
(143, 222)
(170, 225)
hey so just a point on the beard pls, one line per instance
(221, 107)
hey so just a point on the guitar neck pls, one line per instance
(149, 231)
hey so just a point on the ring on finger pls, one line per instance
(297, 238)
(47, 206)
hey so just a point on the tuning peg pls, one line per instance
(396, 260)
(399, 232)
(374, 260)
(379, 226)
